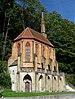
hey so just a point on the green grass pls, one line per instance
(9, 93)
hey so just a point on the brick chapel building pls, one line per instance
(32, 65)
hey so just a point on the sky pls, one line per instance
(64, 7)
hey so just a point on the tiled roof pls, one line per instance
(32, 34)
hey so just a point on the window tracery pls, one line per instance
(27, 51)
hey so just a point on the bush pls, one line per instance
(70, 79)
(0, 95)
(5, 80)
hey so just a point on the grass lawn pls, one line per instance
(9, 93)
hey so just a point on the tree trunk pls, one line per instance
(23, 23)
(4, 26)
(5, 39)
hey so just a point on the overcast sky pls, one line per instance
(64, 7)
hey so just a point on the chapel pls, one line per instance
(32, 64)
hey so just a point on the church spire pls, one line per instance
(43, 25)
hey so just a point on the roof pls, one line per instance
(14, 63)
(32, 34)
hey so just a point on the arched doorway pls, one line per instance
(41, 83)
(28, 83)
(48, 83)
(27, 86)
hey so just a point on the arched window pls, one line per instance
(37, 49)
(60, 78)
(54, 69)
(18, 47)
(48, 77)
(28, 52)
(41, 77)
(44, 51)
(54, 78)
(49, 67)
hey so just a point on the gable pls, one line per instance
(29, 33)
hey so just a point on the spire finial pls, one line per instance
(43, 25)
(42, 16)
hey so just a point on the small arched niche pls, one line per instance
(41, 77)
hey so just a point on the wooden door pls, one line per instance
(27, 87)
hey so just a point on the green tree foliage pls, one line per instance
(61, 33)
(31, 13)
(15, 17)
(70, 79)
(16, 26)
(4, 75)
(6, 7)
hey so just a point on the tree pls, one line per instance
(5, 11)
(4, 75)
(61, 33)
(16, 26)
(31, 13)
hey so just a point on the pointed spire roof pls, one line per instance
(42, 23)
(43, 31)
(29, 33)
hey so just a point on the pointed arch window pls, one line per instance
(54, 69)
(49, 67)
(37, 49)
(18, 47)
(44, 51)
(27, 51)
